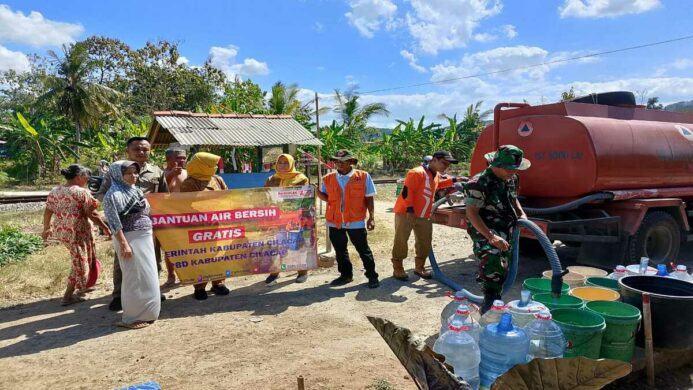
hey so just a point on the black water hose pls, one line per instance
(557, 271)
(570, 205)
(547, 246)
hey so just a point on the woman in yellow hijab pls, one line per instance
(286, 175)
(201, 174)
(201, 177)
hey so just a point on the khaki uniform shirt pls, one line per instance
(150, 180)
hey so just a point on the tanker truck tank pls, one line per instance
(578, 149)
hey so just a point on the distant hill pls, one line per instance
(680, 107)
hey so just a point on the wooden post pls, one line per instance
(649, 346)
(328, 243)
(317, 135)
(301, 383)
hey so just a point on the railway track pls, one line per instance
(10, 198)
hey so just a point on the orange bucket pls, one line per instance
(589, 294)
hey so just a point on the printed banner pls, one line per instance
(212, 235)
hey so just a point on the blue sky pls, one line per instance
(378, 44)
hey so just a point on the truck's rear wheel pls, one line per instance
(658, 238)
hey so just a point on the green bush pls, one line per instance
(5, 179)
(16, 245)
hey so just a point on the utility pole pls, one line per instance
(328, 243)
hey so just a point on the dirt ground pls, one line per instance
(258, 337)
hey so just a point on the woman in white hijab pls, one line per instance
(127, 212)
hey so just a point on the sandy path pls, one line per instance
(312, 330)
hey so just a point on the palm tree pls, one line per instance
(283, 99)
(355, 116)
(77, 97)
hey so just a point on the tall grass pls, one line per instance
(43, 273)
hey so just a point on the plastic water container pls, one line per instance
(644, 261)
(681, 273)
(619, 272)
(461, 352)
(463, 315)
(457, 299)
(524, 309)
(546, 338)
(502, 346)
(493, 315)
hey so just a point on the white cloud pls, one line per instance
(34, 29)
(679, 64)
(224, 58)
(411, 59)
(484, 37)
(318, 27)
(251, 66)
(447, 24)
(14, 60)
(368, 16)
(605, 8)
(509, 30)
(182, 60)
(351, 82)
(518, 63)
(497, 59)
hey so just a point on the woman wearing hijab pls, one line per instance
(201, 177)
(127, 212)
(286, 175)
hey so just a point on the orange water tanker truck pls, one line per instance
(610, 177)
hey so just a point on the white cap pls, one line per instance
(681, 267)
(620, 268)
(498, 305)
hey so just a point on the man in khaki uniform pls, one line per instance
(151, 179)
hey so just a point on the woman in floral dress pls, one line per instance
(69, 209)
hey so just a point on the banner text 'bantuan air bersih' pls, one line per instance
(211, 235)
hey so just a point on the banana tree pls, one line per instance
(39, 143)
(113, 141)
(409, 142)
(334, 138)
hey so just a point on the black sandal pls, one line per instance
(220, 289)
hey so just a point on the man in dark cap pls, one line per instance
(413, 211)
(492, 214)
(349, 195)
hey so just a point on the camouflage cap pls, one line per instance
(508, 157)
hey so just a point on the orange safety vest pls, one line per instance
(421, 188)
(354, 201)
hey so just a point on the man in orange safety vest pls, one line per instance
(349, 195)
(413, 212)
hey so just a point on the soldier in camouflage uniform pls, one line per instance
(492, 214)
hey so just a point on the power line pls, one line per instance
(532, 66)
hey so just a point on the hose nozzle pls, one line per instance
(557, 283)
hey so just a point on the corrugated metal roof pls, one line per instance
(231, 130)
